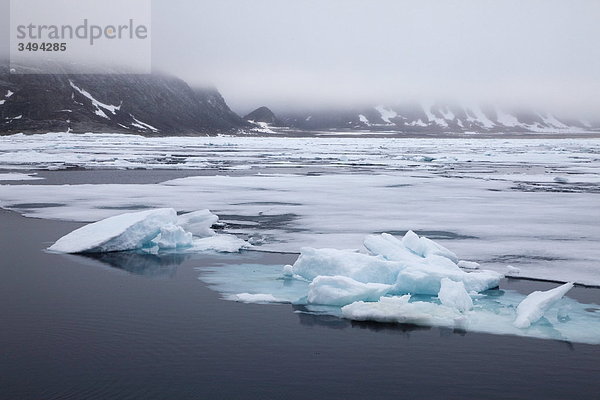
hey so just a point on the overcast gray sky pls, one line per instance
(272, 51)
(275, 52)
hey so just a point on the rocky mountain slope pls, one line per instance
(264, 115)
(160, 104)
(126, 103)
(435, 118)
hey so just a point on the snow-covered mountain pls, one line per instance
(435, 117)
(126, 103)
(160, 104)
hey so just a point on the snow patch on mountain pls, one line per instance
(386, 114)
(97, 104)
(476, 115)
(447, 114)
(418, 122)
(551, 120)
(427, 107)
(142, 125)
(262, 127)
(506, 119)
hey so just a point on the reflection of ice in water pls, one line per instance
(136, 262)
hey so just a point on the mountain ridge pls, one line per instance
(161, 105)
(156, 104)
(435, 117)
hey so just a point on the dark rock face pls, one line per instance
(142, 104)
(434, 118)
(263, 114)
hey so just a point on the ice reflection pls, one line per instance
(159, 266)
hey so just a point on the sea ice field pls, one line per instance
(395, 230)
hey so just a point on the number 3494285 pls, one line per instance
(45, 46)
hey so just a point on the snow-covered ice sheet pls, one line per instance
(484, 157)
(496, 202)
(550, 235)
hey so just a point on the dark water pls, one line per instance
(79, 328)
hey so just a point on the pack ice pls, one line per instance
(151, 230)
(415, 265)
(411, 280)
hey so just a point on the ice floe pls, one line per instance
(127, 231)
(365, 287)
(151, 230)
(413, 265)
(468, 264)
(17, 176)
(537, 303)
(260, 298)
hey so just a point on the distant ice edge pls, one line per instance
(414, 280)
(151, 231)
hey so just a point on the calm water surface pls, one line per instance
(80, 328)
